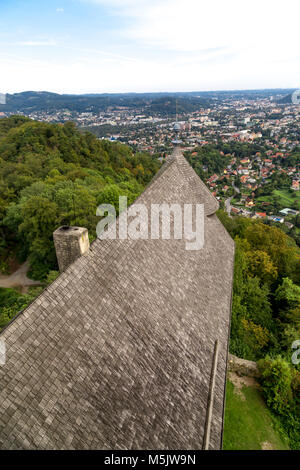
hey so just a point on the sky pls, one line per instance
(108, 46)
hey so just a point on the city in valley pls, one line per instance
(150, 228)
(244, 145)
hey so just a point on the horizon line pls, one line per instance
(153, 92)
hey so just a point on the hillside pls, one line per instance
(152, 103)
(29, 101)
(51, 175)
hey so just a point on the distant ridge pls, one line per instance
(163, 102)
(43, 101)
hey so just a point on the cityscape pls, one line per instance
(149, 231)
(266, 127)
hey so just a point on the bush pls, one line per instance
(277, 379)
(11, 302)
(281, 388)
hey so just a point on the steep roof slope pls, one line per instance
(117, 353)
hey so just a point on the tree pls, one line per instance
(51, 175)
(256, 301)
(280, 248)
(276, 383)
(259, 264)
(288, 295)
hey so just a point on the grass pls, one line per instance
(285, 198)
(237, 202)
(249, 423)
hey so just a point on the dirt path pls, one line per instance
(19, 279)
(228, 205)
(267, 446)
(240, 381)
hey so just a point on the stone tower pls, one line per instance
(70, 243)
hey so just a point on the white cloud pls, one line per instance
(193, 25)
(171, 45)
(101, 73)
(35, 43)
(216, 44)
(60, 10)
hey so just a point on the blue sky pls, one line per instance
(95, 46)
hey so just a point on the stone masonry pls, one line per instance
(70, 243)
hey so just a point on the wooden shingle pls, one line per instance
(118, 352)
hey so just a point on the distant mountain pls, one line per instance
(32, 101)
(151, 103)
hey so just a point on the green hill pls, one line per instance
(52, 175)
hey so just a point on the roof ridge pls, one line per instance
(163, 168)
(211, 203)
(189, 176)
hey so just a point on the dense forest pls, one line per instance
(52, 175)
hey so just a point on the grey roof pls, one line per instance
(118, 352)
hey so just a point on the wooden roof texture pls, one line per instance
(118, 352)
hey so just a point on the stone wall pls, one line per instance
(243, 367)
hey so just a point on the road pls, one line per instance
(228, 201)
(19, 279)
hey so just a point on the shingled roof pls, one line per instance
(118, 353)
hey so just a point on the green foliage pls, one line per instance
(280, 248)
(266, 292)
(281, 389)
(208, 156)
(276, 383)
(11, 302)
(260, 265)
(52, 275)
(288, 294)
(266, 313)
(110, 195)
(236, 226)
(252, 321)
(52, 175)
